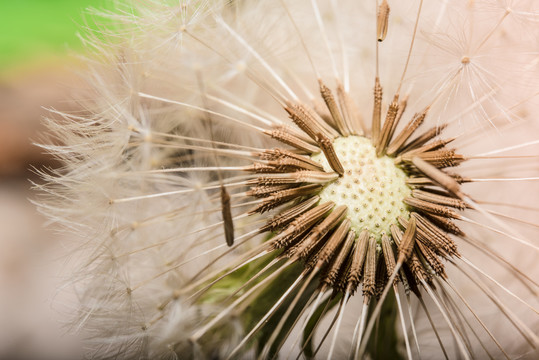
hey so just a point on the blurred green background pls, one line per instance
(35, 29)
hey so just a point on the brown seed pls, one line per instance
(289, 139)
(290, 240)
(405, 134)
(226, 212)
(327, 249)
(260, 168)
(369, 272)
(330, 248)
(265, 190)
(331, 277)
(300, 224)
(435, 235)
(376, 111)
(389, 123)
(438, 176)
(432, 237)
(423, 138)
(356, 268)
(417, 268)
(271, 181)
(329, 99)
(351, 115)
(289, 215)
(402, 107)
(321, 109)
(306, 176)
(433, 260)
(287, 165)
(382, 21)
(381, 275)
(327, 147)
(330, 129)
(437, 158)
(315, 177)
(435, 145)
(305, 121)
(431, 208)
(281, 154)
(408, 241)
(415, 181)
(425, 181)
(304, 248)
(389, 256)
(413, 262)
(283, 196)
(439, 199)
(446, 224)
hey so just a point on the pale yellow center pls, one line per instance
(372, 187)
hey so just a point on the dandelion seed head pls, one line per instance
(329, 214)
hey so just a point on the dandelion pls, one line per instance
(305, 179)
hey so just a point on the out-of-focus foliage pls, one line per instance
(33, 29)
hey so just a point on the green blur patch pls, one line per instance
(34, 29)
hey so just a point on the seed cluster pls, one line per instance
(359, 210)
(356, 209)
